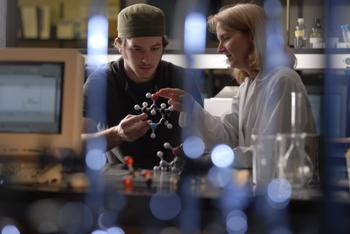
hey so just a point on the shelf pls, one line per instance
(342, 140)
(51, 43)
(218, 61)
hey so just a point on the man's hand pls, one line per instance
(132, 127)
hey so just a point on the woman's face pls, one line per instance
(236, 45)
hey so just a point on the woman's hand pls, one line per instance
(176, 97)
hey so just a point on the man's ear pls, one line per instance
(118, 43)
(251, 38)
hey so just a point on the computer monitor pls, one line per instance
(40, 101)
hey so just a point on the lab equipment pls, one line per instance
(296, 163)
(264, 160)
(153, 110)
(316, 35)
(300, 34)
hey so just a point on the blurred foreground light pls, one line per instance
(193, 147)
(235, 197)
(195, 32)
(165, 206)
(274, 36)
(75, 217)
(279, 192)
(281, 230)
(236, 222)
(170, 230)
(106, 219)
(98, 232)
(222, 155)
(115, 230)
(43, 215)
(95, 159)
(97, 40)
(273, 8)
(114, 200)
(274, 43)
(10, 229)
(220, 177)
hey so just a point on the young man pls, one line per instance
(112, 92)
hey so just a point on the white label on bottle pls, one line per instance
(316, 42)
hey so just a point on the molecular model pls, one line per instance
(163, 110)
(128, 179)
(169, 166)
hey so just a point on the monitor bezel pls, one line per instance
(69, 138)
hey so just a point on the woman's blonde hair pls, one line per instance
(247, 18)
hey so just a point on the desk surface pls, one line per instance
(131, 208)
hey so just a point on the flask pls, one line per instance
(316, 35)
(299, 34)
(297, 163)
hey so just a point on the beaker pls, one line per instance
(264, 159)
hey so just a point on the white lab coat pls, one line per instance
(263, 106)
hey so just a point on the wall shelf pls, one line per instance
(218, 61)
(342, 140)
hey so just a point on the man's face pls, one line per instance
(141, 57)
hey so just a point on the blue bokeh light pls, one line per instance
(193, 147)
(115, 230)
(10, 229)
(235, 197)
(75, 217)
(195, 32)
(273, 8)
(165, 206)
(97, 39)
(98, 32)
(279, 192)
(236, 222)
(219, 177)
(43, 215)
(95, 159)
(222, 155)
(281, 230)
(274, 35)
(106, 219)
(98, 232)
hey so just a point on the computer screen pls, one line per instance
(40, 100)
(31, 97)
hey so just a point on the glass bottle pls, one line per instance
(345, 32)
(316, 35)
(297, 163)
(299, 34)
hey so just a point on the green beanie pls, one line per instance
(141, 20)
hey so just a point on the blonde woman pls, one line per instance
(264, 101)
